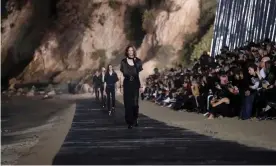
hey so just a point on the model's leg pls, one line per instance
(128, 103)
(136, 106)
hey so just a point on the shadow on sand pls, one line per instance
(96, 138)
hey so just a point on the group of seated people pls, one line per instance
(239, 82)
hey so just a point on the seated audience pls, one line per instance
(240, 82)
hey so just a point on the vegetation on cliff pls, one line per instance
(195, 43)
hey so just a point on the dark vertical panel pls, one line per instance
(220, 25)
(273, 21)
(228, 24)
(251, 20)
(214, 41)
(260, 19)
(254, 20)
(234, 21)
(243, 24)
(257, 20)
(270, 13)
(239, 21)
(239, 25)
(226, 10)
(264, 19)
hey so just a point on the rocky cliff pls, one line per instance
(57, 40)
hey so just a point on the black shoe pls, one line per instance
(113, 109)
(130, 127)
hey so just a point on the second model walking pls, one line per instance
(110, 80)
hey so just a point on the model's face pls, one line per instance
(97, 73)
(110, 67)
(130, 52)
(103, 69)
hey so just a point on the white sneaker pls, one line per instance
(267, 108)
(206, 114)
(173, 100)
(167, 100)
(170, 105)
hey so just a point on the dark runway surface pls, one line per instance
(95, 138)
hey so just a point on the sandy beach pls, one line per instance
(33, 129)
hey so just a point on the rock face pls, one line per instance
(171, 25)
(80, 36)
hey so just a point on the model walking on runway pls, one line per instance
(110, 81)
(97, 85)
(102, 75)
(131, 66)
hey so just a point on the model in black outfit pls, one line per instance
(130, 67)
(110, 80)
(97, 85)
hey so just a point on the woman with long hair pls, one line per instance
(131, 66)
(110, 80)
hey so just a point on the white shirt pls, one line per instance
(103, 77)
(262, 73)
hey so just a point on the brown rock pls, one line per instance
(67, 48)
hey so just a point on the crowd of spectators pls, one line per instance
(238, 82)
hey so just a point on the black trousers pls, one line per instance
(131, 103)
(222, 109)
(110, 92)
(102, 95)
(97, 92)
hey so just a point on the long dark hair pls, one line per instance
(107, 69)
(134, 50)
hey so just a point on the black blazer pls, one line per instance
(137, 63)
(96, 81)
(111, 80)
